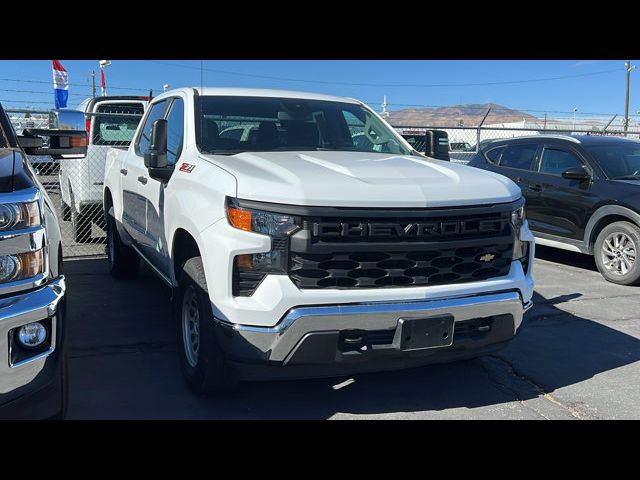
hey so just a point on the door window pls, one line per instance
(493, 155)
(554, 161)
(175, 131)
(519, 156)
(156, 112)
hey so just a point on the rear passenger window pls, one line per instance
(493, 155)
(519, 156)
(554, 162)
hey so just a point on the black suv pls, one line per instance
(582, 192)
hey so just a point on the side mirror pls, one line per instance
(156, 158)
(576, 173)
(61, 142)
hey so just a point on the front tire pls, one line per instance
(615, 253)
(123, 261)
(202, 361)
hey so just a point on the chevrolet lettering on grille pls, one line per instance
(406, 230)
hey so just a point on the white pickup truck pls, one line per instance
(300, 252)
(110, 122)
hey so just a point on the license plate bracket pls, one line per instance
(426, 332)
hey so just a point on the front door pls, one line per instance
(556, 205)
(154, 246)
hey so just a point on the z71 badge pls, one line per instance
(187, 167)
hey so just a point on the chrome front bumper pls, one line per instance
(280, 343)
(18, 310)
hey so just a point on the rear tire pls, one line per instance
(615, 253)
(124, 263)
(202, 361)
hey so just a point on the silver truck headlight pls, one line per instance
(520, 248)
(16, 216)
(20, 266)
(277, 225)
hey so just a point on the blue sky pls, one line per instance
(590, 86)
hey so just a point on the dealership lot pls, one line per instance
(576, 357)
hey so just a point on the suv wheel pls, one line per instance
(123, 261)
(202, 361)
(615, 253)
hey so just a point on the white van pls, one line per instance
(110, 122)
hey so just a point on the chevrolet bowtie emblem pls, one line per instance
(487, 257)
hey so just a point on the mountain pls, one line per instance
(470, 114)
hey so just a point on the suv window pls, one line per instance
(493, 155)
(175, 131)
(117, 127)
(519, 156)
(554, 161)
(157, 111)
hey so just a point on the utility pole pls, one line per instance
(628, 67)
(93, 83)
(545, 121)
(384, 113)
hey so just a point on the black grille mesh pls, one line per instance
(396, 268)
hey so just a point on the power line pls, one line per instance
(387, 85)
(41, 92)
(21, 80)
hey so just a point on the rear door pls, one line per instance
(515, 161)
(135, 179)
(555, 205)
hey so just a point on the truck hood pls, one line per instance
(358, 179)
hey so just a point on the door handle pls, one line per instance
(142, 179)
(536, 187)
(123, 171)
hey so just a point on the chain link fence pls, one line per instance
(464, 141)
(75, 182)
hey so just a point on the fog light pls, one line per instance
(32, 335)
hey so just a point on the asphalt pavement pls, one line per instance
(575, 357)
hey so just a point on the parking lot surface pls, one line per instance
(575, 357)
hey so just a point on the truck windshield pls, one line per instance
(233, 124)
(618, 162)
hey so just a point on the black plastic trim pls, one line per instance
(313, 211)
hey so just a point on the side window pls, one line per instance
(493, 155)
(175, 131)
(519, 156)
(156, 112)
(554, 162)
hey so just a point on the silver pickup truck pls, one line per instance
(32, 287)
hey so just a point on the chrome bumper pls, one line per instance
(18, 310)
(277, 344)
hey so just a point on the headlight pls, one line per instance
(21, 266)
(277, 225)
(518, 218)
(520, 248)
(268, 223)
(14, 216)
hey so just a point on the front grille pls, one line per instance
(435, 266)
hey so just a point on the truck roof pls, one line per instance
(260, 92)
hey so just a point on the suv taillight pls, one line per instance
(87, 124)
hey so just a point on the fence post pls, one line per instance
(479, 128)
